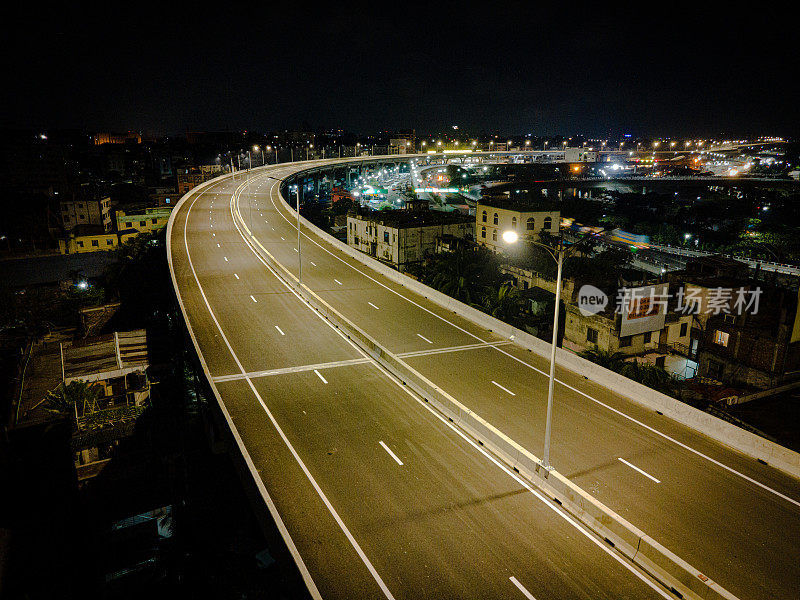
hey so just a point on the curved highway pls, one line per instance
(378, 496)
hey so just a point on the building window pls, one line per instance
(715, 369)
(684, 328)
(513, 222)
(494, 219)
(82, 217)
(494, 235)
(154, 221)
(530, 225)
(548, 222)
(721, 338)
(386, 237)
(142, 223)
(626, 341)
(591, 335)
(80, 244)
(95, 243)
(109, 242)
(648, 337)
(483, 232)
(483, 217)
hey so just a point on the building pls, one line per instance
(661, 336)
(402, 237)
(745, 329)
(493, 216)
(191, 177)
(400, 146)
(102, 138)
(147, 221)
(572, 155)
(87, 238)
(86, 208)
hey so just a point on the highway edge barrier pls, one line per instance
(248, 461)
(675, 574)
(725, 433)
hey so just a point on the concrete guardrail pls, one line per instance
(669, 569)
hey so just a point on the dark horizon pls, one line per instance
(518, 69)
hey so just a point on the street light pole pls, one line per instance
(557, 254)
(551, 382)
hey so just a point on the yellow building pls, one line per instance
(495, 216)
(152, 219)
(88, 240)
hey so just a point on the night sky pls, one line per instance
(654, 69)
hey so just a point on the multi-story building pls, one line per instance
(147, 221)
(659, 335)
(105, 137)
(85, 208)
(400, 146)
(494, 216)
(191, 177)
(401, 237)
(572, 155)
(87, 238)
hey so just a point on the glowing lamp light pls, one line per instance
(510, 237)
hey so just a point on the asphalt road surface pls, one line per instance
(383, 498)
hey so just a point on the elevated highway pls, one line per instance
(379, 495)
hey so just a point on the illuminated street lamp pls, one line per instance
(558, 254)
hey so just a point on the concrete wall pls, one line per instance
(717, 429)
(658, 561)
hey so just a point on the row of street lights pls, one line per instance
(558, 252)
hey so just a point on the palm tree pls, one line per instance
(454, 275)
(505, 304)
(613, 361)
(65, 398)
(651, 375)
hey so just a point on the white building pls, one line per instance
(495, 216)
(401, 237)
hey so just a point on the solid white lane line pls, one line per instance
(392, 454)
(337, 281)
(235, 275)
(253, 299)
(320, 376)
(373, 306)
(424, 338)
(502, 388)
(279, 330)
(295, 249)
(313, 264)
(290, 370)
(635, 468)
(522, 589)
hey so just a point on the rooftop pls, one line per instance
(105, 356)
(504, 202)
(411, 218)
